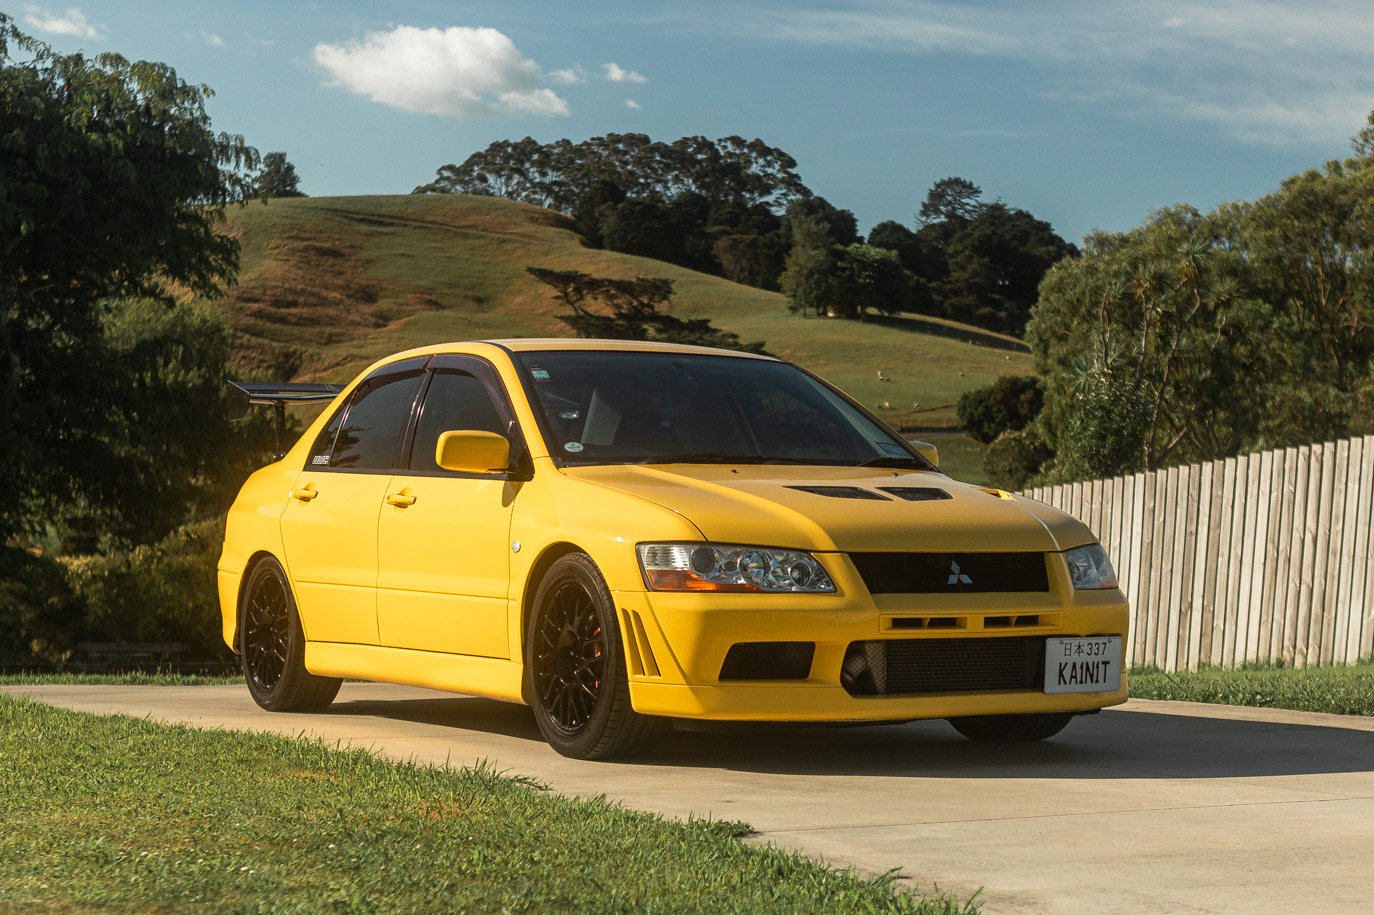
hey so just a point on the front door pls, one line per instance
(443, 538)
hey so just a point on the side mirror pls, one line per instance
(928, 451)
(470, 451)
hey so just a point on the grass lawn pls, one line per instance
(115, 814)
(1338, 690)
(131, 678)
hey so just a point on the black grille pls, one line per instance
(768, 661)
(951, 573)
(842, 492)
(914, 666)
(917, 493)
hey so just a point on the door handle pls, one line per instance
(305, 495)
(400, 499)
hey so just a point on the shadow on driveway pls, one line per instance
(1114, 744)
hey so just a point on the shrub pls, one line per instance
(166, 591)
(1014, 457)
(1007, 405)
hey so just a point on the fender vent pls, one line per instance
(842, 492)
(917, 493)
(642, 661)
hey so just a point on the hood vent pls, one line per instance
(842, 492)
(917, 493)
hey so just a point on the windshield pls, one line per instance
(625, 407)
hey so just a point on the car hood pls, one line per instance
(760, 505)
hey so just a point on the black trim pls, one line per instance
(931, 573)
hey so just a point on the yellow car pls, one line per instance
(621, 534)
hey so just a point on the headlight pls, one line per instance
(728, 567)
(1090, 568)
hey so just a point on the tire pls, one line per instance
(1011, 728)
(575, 667)
(272, 646)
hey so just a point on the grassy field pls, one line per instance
(1338, 690)
(115, 814)
(330, 284)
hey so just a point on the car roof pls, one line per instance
(573, 344)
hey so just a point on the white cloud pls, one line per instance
(1263, 71)
(618, 74)
(632, 104)
(212, 39)
(72, 22)
(569, 76)
(459, 71)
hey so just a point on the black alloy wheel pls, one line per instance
(575, 665)
(571, 657)
(273, 646)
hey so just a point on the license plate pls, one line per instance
(1090, 665)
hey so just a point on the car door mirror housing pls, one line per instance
(927, 451)
(472, 451)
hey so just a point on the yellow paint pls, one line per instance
(416, 579)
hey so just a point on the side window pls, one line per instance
(375, 420)
(324, 442)
(455, 400)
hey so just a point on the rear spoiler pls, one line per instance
(279, 395)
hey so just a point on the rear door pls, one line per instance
(329, 527)
(444, 537)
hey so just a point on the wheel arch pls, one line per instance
(247, 574)
(550, 554)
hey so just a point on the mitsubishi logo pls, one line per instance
(956, 577)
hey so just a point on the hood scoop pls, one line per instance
(917, 493)
(842, 492)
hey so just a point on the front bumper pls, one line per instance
(678, 642)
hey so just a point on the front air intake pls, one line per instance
(917, 493)
(842, 492)
(768, 661)
(891, 667)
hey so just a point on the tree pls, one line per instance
(1307, 252)
(111, 184)
(870, 278)
(634, 311)
(277, 178)
(808, 277)
(1156, 318)
(950, 200)
(840, 225)
(995, 261)
(898, 239)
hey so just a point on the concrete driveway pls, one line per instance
(1155, 807)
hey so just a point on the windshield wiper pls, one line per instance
(707, 457)
(892, 460)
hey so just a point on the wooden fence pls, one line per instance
(1261, 557)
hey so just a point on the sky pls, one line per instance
(1087, 113)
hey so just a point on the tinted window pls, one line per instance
(454, 401)
(376, 418)
(680, 408)
(324, 442)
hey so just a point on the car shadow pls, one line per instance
(1114, 744)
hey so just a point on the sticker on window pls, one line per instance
(320, 459)
(573, 447)
(538, 373)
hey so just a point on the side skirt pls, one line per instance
(473, 676)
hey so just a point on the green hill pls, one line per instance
(330, 284)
